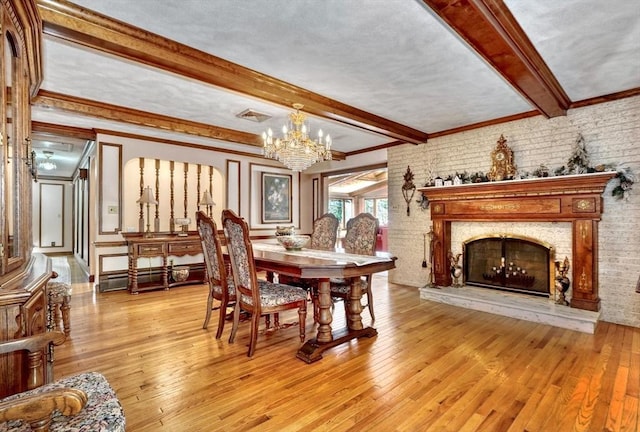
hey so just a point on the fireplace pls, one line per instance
(511, 263)
(573, 198)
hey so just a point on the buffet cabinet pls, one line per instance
(164, 246)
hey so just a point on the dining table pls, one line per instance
(322, 266)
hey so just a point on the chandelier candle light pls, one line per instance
(295, 149)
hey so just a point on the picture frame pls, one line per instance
(276, 198)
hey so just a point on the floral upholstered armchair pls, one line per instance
(84, 402)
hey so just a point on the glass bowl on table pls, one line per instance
(293, 242)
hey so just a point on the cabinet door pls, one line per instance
(19, 65)
(17, 321)
(34, 313)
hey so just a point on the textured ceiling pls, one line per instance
(395, 59)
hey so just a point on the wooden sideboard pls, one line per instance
(163, 245)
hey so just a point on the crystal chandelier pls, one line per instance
(295, 149)
(47, 164)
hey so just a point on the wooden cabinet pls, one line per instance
(23, 275)
(23, 312)
(164, 246)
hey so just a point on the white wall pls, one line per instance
(111, 256)
(612, 134)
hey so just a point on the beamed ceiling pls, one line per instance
(372, 73)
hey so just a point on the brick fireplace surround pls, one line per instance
(576, 199)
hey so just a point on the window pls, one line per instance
(342, 208)
(378, 207)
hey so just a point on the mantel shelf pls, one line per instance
(561, 185)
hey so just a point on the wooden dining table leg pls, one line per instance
(312, 349)
(324, 312)
(354, 306)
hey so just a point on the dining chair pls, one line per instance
(221, 285)
(360, 238)
(257, 299)
(83, 402)
(323, 237)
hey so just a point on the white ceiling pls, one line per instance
(392, 58)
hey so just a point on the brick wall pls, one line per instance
(612, 135)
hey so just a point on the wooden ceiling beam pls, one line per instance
(61, 130)
(74, 24)
(490, 29)
(106, 111)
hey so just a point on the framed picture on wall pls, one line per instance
(276, 198)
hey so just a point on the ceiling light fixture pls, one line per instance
(47, 164)
(295, 149)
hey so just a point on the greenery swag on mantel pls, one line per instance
(578, 163)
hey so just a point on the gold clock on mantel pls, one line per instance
(502, 166)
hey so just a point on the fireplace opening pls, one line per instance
(509, 263)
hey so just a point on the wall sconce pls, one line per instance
(30, 159)
(408, 189)
(207, 201)
(31, 163)
(147, 198)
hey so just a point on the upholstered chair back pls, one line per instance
(362, 234)
(241, 256)
(212, 250)
(325, 232)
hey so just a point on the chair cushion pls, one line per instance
(102, 413)
(275, 294)
(58, 289)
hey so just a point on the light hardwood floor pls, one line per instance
(432, 367)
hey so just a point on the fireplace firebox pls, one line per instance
(512, 263)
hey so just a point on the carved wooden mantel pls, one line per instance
(575, 198)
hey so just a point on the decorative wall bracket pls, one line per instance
(408, 189)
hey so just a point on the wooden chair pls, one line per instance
(81, 402)
(257, 299)
(221, 286)
(360, 238)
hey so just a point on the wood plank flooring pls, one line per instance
(432, 367)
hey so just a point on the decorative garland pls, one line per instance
(578, 163)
